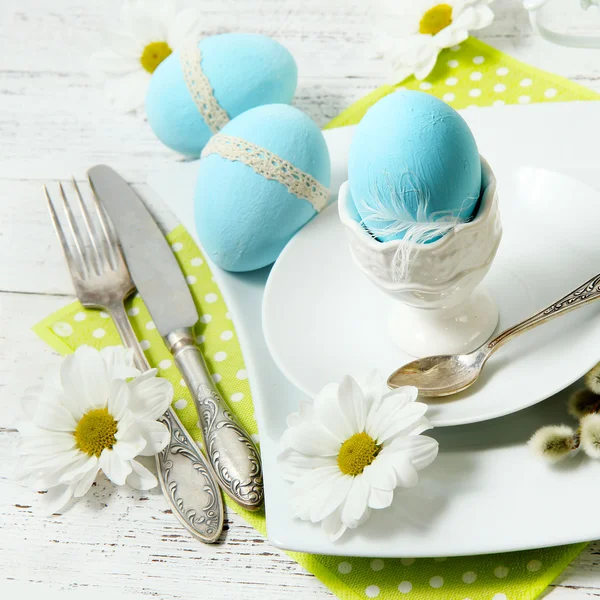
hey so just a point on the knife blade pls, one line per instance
(161, 284)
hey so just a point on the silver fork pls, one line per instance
(102, 281)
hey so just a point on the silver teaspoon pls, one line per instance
(444, 375)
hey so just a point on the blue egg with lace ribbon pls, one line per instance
(414, 169)
(260, 180)
(199, 88)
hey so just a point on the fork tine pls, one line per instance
(111, 243)
(75, 265)
(97, 257)
(75, 235)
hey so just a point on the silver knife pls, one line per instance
(162, 286)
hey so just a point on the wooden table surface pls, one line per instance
(54, 123)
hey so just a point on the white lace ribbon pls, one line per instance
(270, 166)
(199, 86)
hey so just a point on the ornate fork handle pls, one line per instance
(198, 502)
(588, 292)
(185, 476)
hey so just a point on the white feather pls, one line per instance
(390, 212)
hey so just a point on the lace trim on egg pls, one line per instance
(199, 86)
(270, 166)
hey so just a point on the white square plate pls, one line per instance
(485, 492)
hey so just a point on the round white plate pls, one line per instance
(323, 319)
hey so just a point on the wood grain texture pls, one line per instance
(54, 123)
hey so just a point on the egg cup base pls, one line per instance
(452, 330)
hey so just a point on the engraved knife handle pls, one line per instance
(185, 476)
(231, 452)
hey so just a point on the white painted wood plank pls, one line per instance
(54, 123)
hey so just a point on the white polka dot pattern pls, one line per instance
(344, 568)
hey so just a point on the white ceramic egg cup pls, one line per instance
(440, 309)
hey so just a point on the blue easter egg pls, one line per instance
(202, 85)
(260, 180)
(413, 159)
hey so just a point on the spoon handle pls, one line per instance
(587, 292)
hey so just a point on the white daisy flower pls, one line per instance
(411, 34)
(347, 451)
(98, 415)
(150, 31)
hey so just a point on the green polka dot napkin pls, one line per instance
(473, 74)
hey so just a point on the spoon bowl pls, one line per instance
(437, 376)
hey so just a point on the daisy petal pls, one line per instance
(141, 478)
(305, 413)
(67, 474)
(78, 469)
(333, 525)
(464, 19)
(380, 498)
(54, 417)
(395, 417)
(379, 417)
(408, 393)
(311, 439)
(356, 501)
(114, 467)
(155, 434)
(47, 441)
(129, 440)
(353, 404)
(185, 24)
(324, 504)
(112, 63)
(118, 398)
(308, 489)
(127, 46)
(374, 387)
(126, 93)
(150, 396)
(87, 479)
(294, 465)
(423, 69)
(119, 362)
(328, 412)
(451, 36)
(423, 424)
(84, 380)
(49, 462)
(406, 473)
(485, 17)
(420, 450)
(380, 473)
(399, 74)
(55, 499)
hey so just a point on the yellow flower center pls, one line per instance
(436, 19)
(96, 431)
(356, 453)
(153, 54)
